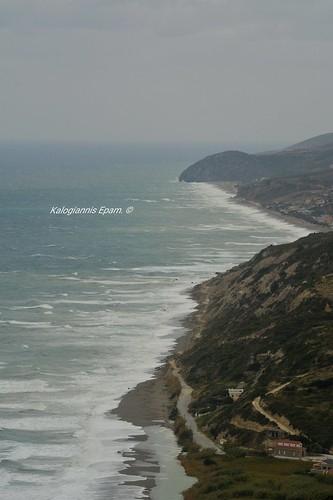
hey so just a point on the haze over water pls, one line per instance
(89, 304)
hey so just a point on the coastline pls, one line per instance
(144, 406)
(149, 406)
(230, 189)
(151, 402)
(290, 219)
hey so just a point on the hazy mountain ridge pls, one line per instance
(320, 141)
(296, 181)
(264, 324)
(302, 158)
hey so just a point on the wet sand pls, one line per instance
(149, 404)
(146, 405)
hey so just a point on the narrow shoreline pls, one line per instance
(149, 403)
(290, 219)
(230, 189)
(144, 406)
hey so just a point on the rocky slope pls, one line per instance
(266, 326)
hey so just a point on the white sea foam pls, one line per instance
(44, 255)
(40, 423)
(145, 200)
(82, 302)
(242, 244)
(39, 306)
(16, 386)
(22, 406)
(27, 324)
(219, 198)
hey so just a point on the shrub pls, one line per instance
(246, 492)
(325, 479)
(209, 461)
(262, 494)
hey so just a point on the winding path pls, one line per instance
(281, 422)
(257, 405)
(183, 402)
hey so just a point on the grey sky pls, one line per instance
(166, 70)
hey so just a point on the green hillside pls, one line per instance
(266, 326)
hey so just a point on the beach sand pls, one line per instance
(147, 405)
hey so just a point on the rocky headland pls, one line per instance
(295, 182)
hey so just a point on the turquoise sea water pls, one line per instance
(89, 306)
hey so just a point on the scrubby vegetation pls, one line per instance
(263, 325)
(239, 474)
(229, 477)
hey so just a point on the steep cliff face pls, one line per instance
(266, 326)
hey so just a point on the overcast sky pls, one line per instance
(166, 70)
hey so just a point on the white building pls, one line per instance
(235, 393)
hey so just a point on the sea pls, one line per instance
(91, 303)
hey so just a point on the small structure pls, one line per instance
(323, 467)
(286, 448)
(263, 356)
(235, 393)
(276, 433)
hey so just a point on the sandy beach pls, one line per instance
(145, 406)
(150, 403)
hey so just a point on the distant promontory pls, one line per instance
(296, 181)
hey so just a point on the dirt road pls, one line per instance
(257, 405)
(184, 400)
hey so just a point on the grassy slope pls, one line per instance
(268, 322)
(236, 475)
(253, 477)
